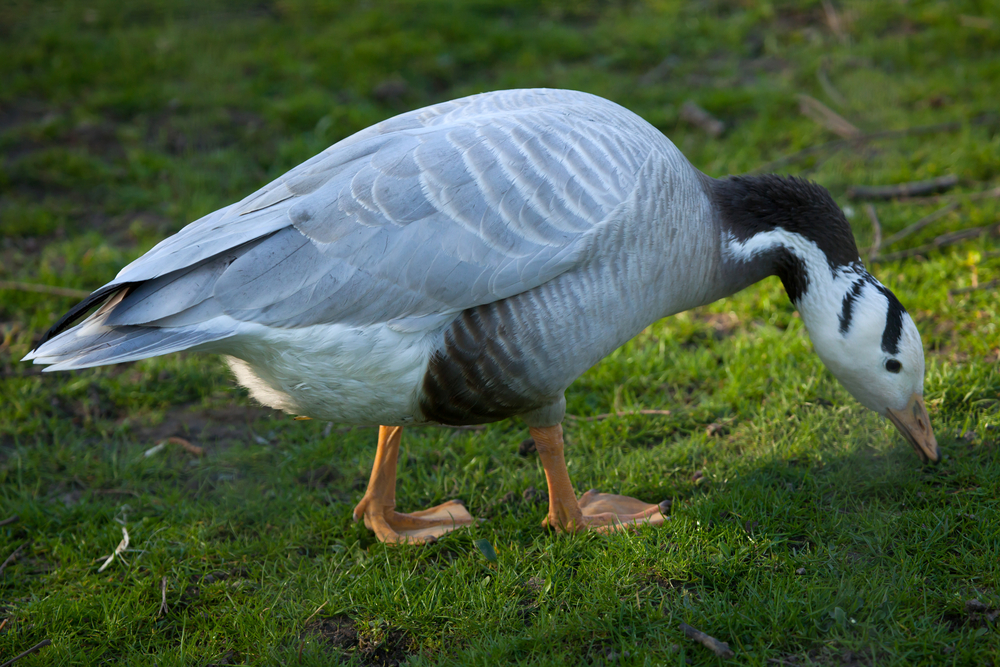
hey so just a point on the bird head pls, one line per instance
(874, 349)
(794, 229)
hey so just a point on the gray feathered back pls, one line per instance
(428, 213)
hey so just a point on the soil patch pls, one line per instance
(975, 615)
(832, 655)
(387, 648)
(215, 429)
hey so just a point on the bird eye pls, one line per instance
(893, 366)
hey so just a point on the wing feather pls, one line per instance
(431, 212)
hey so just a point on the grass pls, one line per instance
(811, 536)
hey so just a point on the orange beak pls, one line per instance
(913, 422)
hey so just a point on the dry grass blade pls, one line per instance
(921, 223)
(10, 519)
(833, 20)
(876, 232)
(720, 649)
(40, 645)
(902, 189)
(942, 241)
(318, 609)
(163, 597)
(122, 546)
(155, 449)
(965, 290)
(11, 558)
(44, 289)
(827, 117)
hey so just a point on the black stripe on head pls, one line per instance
(893, 318)
(847, 308)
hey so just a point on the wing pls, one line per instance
(428, 213)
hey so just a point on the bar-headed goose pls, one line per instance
(465, 262)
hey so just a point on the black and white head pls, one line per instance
(858, 327)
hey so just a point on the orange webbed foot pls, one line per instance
(422, 527)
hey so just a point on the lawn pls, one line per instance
(803, 529)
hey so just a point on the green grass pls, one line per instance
(121, 122)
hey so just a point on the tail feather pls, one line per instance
(132, 346)
(138, 320)
(77, 311)
(94, 343)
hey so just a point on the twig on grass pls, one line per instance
(39, 645)
(720, 649)
(44, 289)
(11, 558)
(115, 492)
(876, 232)
(992, 193)
(942, 241)
(694, 114)
(122, 546)
(863, 138)
(661, 70)
(174, 440)
(163, 597)
(10, 519)
(621, 413)
(965, 290)
(187, 446)
(827, 117)
(922, 222)
(3, 624)
(898, 190)
(978, 22)
(828, 87)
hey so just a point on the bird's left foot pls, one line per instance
(421, 527)
(600, 512)
(608, 513)
(378, 506)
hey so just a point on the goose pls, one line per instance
(465, 262)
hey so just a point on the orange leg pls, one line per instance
(379, 502)
(603, 512)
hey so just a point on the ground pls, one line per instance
(803, 529)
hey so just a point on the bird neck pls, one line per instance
(793, 229)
